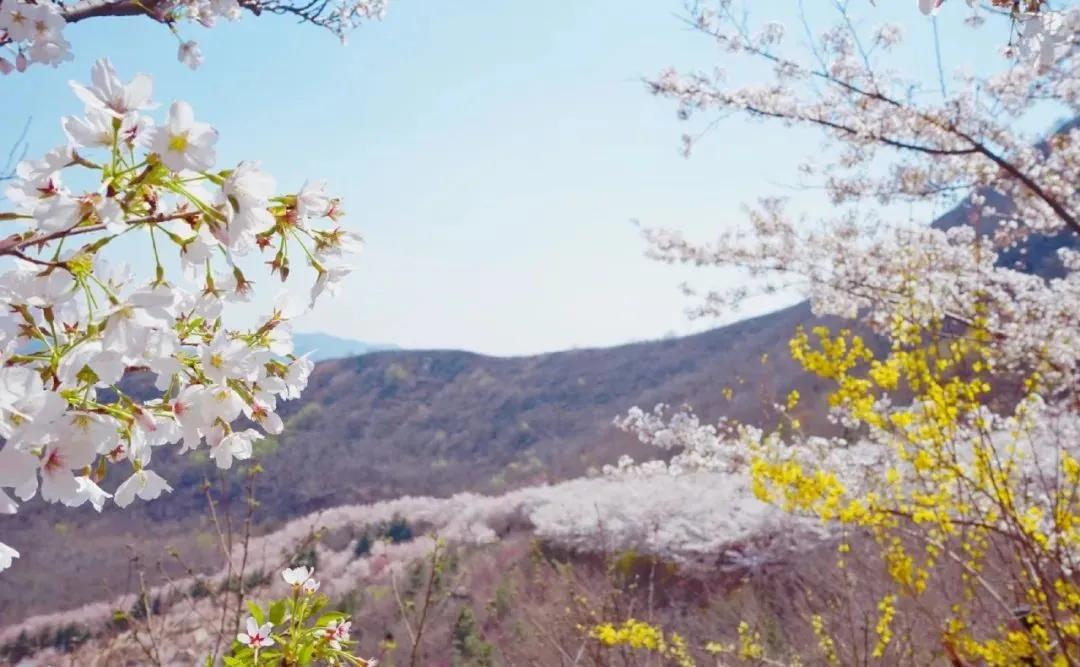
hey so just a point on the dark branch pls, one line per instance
(86, 9)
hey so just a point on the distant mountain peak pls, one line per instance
(321, 346)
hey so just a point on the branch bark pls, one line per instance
(85, 9)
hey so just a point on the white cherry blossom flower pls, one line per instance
(18, 471)
(110, 95)
(58, 461)
(87, 491)
(182, 143)
(145, 484)
(58, 212)
(261, 411)
(236, 446)
(190, 54)
(256, 636)
(95, 128)
(7, 556)
(312, 200)
(86, 429)
(29, 411)
(128, 328)
(296, 377)
(248, 190)
(17, 19)
(50, 50)
(296, 576)
(92, 130)
(329, 280)
(187, 409)
(111, 214)
(160, 356)
(219, 402)
(224, 358)
(47, 23)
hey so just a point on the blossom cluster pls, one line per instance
(1042, 35)
(33, 32)
(885, 149)
(641, 635)
(293, 631)
(75, 322)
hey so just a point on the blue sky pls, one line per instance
(492, 152)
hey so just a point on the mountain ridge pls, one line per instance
(320, 346)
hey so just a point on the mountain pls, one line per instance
(320, 346)
(408, 422)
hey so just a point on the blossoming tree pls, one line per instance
(959, 398)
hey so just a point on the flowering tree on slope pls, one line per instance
(961, 457)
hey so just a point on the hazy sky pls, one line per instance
(492, 152)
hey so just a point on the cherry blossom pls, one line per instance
(145, 484)
(38, 28)
(329, 280)
(108, 94)
(339, 632)
(190, 54)
(33, 32)
(75, 322)
(312, 200)
(57, 463)
(297, 576)
(256, 635)
(7, 555)
(248, 190)
(261, 411)
(235, 446)
(86, 490)
(182, 143)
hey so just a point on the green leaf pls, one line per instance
(277, 612)
(330, 616)
(256, 612)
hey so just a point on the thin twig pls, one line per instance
(427, 602)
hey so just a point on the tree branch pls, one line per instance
(86, 9)
(16, 154)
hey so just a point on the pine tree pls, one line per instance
(470, 650)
